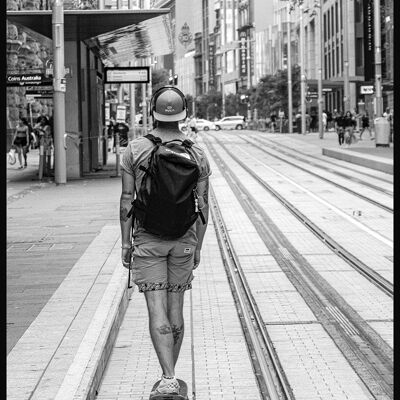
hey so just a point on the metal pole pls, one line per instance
(320, 61)
(120, 95)
(289, 70)
(223, 62)
(302, 75)
(248, 76)
(346, 99)
(150, 92)
(132, 105)
(60, 166)
(378, 59)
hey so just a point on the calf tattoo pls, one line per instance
(176, 331)
(164, 329)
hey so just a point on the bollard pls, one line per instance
(118, 167)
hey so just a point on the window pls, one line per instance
(336, 17)
(337, 60)
(328, 24)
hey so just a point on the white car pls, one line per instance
(204, 125)
(233, 122)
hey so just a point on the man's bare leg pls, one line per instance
(160, 330)
(175, 317)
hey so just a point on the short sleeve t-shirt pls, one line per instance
(138, 152)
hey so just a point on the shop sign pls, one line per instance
(211, 69)
(367, 89)
(42, 92)
(243, 53)
(28, 80)
(369, 56)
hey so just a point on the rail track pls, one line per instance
(366, 351)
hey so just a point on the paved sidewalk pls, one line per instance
(49, 227)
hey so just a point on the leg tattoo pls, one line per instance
(176, 331)
(164, 329)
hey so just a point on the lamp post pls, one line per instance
(289, 70)
(302, 74)
(346, 99)
(320, 52)
(378, 59)
(60, 162)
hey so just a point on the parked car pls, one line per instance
(232, 122)
(204, 125)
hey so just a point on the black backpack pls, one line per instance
(167, 203)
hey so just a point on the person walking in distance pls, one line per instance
(349, 124)
(166, 243)
(21, 142)
(339, 126)
(365, 125)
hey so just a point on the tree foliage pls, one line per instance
(268, 96)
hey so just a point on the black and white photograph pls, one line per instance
(199, 199)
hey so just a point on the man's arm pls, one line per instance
(202, 191)
(128, 190)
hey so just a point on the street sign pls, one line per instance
(28, 80)
(127, 74)
(327, 89)
(369, 89)
(121, 114)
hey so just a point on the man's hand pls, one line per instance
(196, 259)
(126, 257)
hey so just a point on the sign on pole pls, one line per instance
(127, 74)
(121, 113)
(368, 89)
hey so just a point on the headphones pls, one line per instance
(163, 89)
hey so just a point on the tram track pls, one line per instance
(342, 187)
(335, 164)
(273, 384)
(374, 277)
(369, 356)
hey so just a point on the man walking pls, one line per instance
(162, 266)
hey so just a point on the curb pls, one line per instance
(369, 161)
(63, 353)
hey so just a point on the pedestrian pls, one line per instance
(349, 124)
(163, 263)
(324, 120)
(45, 135)
(339, 127)
(329, 120)
(193, 128)
(309, 122)
(365, 124)
(388, 114)
(21, 142)
(123, 129)
(273, 122)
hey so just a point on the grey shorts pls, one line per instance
(162, 264)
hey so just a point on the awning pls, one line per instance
(81, 25)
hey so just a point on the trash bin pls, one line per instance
(382, 132)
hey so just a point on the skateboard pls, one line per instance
(181, 396)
